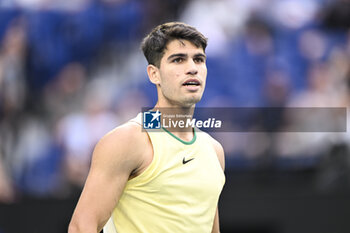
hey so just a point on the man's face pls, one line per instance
(183, 73)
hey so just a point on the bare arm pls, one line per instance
(113, 162)
(216, 225)
(221, 156)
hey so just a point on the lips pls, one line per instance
(191, 82)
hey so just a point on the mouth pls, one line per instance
(191, 82)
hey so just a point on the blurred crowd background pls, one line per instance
(70, 71)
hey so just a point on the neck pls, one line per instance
(174, 116)
(175, 109)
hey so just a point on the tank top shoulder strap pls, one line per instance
(137, 119)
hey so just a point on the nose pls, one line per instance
(191, 68)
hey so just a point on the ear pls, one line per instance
(153, 74)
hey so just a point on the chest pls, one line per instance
(190, 174)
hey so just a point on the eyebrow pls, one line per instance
(185, 55)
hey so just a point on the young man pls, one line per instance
(167, 181)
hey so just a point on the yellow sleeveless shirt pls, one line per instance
(178, 191)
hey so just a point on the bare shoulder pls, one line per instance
(219, 151)
(115, 158)
(124, 147)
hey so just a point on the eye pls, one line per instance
(198, 60)
(178, 60)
